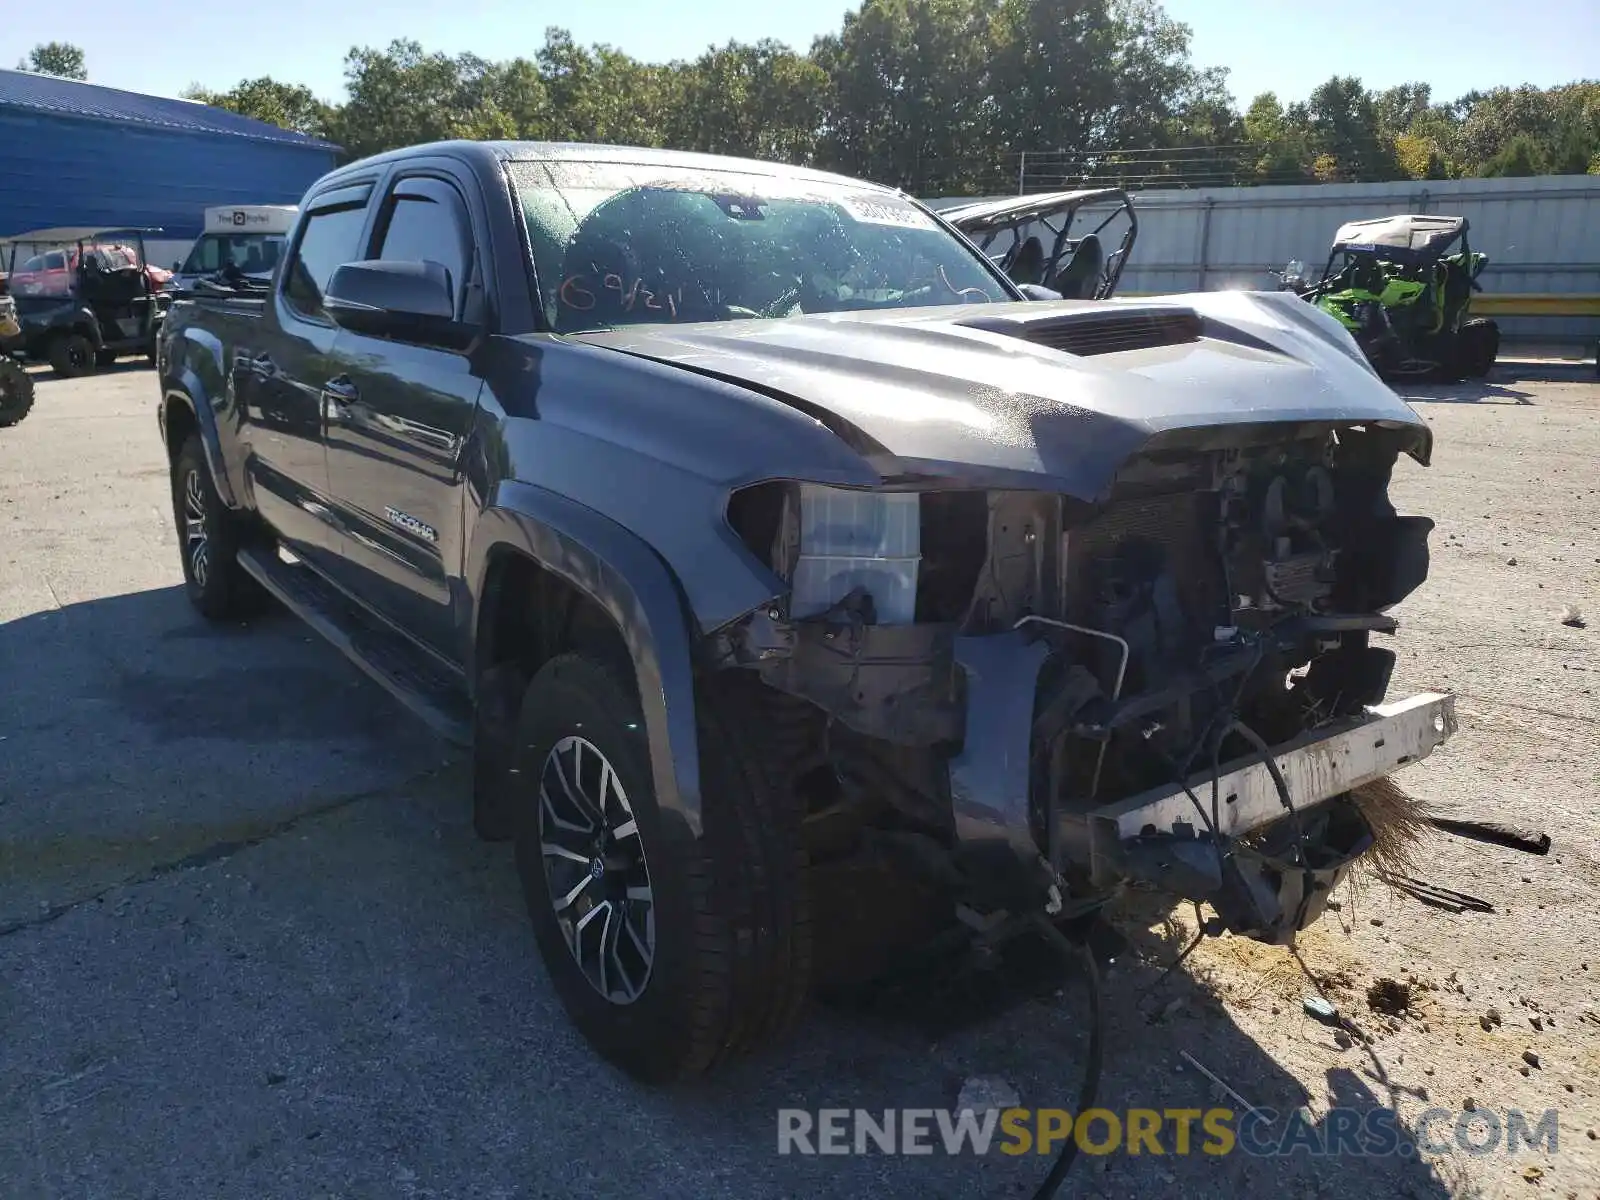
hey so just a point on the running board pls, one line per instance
(402, 668)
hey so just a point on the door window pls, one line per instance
(426, 221)
(331, 238)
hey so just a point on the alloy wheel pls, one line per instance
(595, 869)
(196, 544)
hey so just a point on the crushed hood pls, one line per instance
(1053, 395)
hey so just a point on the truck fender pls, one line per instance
(627, 579)
(195, 377)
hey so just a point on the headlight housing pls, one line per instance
(858, 539)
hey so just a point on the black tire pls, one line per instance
(216, 585)
(71, 355)
(16, 391)
(731, 913)
(1477, 347)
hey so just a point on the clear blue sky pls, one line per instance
(1287, 46)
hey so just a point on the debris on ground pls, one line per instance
(1319, 1008)
(1398, 821)
(1195, 1063)
(1571, 615)
(1532, 1059)
(981, 1093)
(1433, 895)
(1389, 996)
(1496, 833)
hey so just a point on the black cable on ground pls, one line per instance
(1091, 1074)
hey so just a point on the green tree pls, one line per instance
(1520, 156)
(1088, 79)
(62, 59)
(600, 94)
(1342, 124)
(943, 97)
(1276, 151)
(762, 101)
(1398, 109)
(288, 105)
(1419, 157)
(908, 94)
(1492, 121)
(403, 96)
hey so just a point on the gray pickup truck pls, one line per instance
(746, 520)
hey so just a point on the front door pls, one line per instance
(398, 416)
(278, 368)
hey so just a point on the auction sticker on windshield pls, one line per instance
(886, 210)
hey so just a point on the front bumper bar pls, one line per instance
(1316, 767)
(1279, 881)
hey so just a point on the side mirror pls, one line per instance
(407, 301)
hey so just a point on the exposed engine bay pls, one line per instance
(1038, 699)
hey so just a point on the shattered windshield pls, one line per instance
(625, 243)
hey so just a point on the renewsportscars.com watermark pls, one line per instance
(1372, 1133)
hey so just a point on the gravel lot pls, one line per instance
(249, 946)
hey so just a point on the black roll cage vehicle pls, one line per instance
(93, 308)
(1403, 287)
(1076, 265)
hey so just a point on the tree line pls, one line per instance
(949, 97)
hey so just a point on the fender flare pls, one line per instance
(183, 384)
(634, 586)
(206, 421)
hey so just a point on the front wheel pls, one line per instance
(670, 952)
(72, 355)
(16, 391)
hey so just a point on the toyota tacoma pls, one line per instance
(742, 519)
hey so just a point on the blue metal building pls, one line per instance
(78, 154)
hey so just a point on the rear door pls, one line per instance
(399, 414)
(279, 371)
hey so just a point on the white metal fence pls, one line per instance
(1542, 236)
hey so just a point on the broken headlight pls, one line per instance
(852, 540)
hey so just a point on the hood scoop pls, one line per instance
(1103, 332)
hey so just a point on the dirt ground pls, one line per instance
(249, 945)
(1515, 490)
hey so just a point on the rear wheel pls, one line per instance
(1477, 347)
(670, 952)
(71, 355)
(16, 391)
(208, 539)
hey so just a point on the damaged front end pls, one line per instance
(1035, 699)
